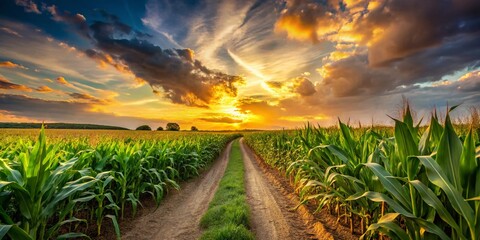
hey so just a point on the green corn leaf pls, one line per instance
(436, 175)
(448, 154)
(115, 225)
(429, 197)
(12, 174)
(432, 228)
(73, 235)
(4, 230)
(380, 197)
(338, 152)
(468, 163)
(69, 190)
(405, 143)
(14, 232)
(390, 184)
(389, 226)
(431, 136)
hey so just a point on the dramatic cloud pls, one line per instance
(382, 45)
(221, 120)
(28, 5)
(55, 58)
(175, 72)
(302, 60)
(353, 76)
(5, 84)
(309, 20)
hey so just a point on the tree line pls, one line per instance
(168, 127)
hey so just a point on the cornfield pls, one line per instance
(409, 182)
(48, 189)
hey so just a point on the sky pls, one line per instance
(236, 64)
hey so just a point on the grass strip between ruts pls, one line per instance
(228, 214)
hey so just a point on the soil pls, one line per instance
(302, 219)
(272, 216)
(178, 216)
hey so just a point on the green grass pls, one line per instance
(228, 214)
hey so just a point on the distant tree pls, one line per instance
(173, 127)
(160, 128)
(144, 127)
(194, 128)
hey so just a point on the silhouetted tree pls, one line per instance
(160, 128)
(173, 127)
(194, 128)
(144, 127)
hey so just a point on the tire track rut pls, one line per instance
(272, 215)
(178, 216)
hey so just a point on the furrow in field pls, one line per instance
(179, 213)
(272, 217)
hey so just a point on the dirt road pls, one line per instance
(178, 216)
(272, 215)
(272, 209)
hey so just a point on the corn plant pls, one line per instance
(44, 187)
(408, 182)
(39, 184)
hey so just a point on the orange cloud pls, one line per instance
(299, 85)
(306, 20)
(9, 64)
(44, 89)
(5, 84)
(63, 81)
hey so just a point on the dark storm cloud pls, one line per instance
(182, 78)
(394, 28)
(74, 112)
(405, 41)
(221, 120)
(411, 26)
(173, 72)
(353, 76)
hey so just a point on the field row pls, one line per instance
(409, 182)
(55, 189)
